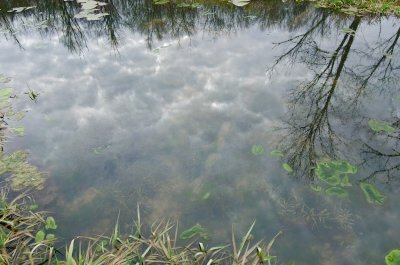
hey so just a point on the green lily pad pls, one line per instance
(345, 182)
(371, 193)
(380, 126)
(257, 149)
(393, 258)
(196, 230)
(337, 191)
(287, 167)
(51, 223)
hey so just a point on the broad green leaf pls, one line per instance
(287, 167)
(257, 149)
(50, 237)
(39, 236)
(20, 131)
(380, 126)
(331, 171)
(393, 257)
(371, 193)
(277, 153)
(5, 93)
(51, 223)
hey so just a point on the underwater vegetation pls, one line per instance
(19, 172)
(371, 193)
(195, 231)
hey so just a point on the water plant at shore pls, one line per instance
(19, 245)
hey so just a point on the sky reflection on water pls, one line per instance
(165, 122)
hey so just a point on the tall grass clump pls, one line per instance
(23, 242)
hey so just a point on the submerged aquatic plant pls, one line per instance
(196, 230)
(19, 172)
(371, 193)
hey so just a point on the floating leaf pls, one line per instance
(287, 167)
(196, 230)
(380, 126)
(20, 9)
(371, 193)
(5, 93)
(276, 153)
(51, 223)
(337, 191)
(206, 196)
(20, 131)
(50, 237)
(330, 171)
(257, 149)
(393, 257)
(348, 31)
(39, 236)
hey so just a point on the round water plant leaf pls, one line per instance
(393, 257)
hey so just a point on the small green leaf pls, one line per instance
(380, 126)
(257, 149)
(5, 93)
(33, 207)
(287, 167)
(315, 188)
(20, 131)
(39, 236)
(277, 153)
(337, 191)
(393, 257)
(51, 223)
(50, 237)
(206, 196)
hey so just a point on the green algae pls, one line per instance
(19, 172)
(371, 193)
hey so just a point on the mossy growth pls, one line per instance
(19, 172)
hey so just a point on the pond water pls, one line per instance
(178, 108)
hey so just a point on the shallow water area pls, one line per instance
(213, 114)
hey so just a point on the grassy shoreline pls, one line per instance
(361, 7)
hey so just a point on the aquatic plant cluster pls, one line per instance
(23, 240)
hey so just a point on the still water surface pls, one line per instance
(178, 109)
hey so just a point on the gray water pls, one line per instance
(161, 106)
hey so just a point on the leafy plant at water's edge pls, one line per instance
(393, 257)
(196, 230)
